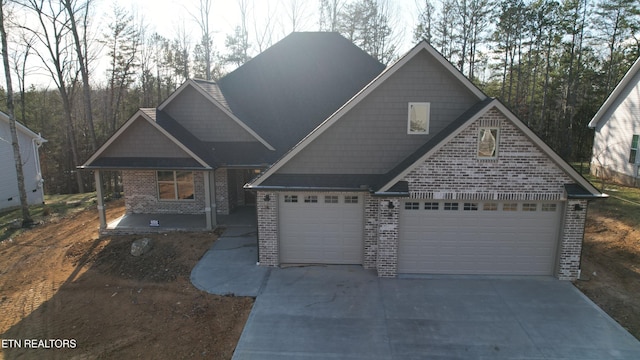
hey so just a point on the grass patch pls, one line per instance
(623, 203)
(54, 206)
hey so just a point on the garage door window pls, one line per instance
(350, 199)
(490, 207)
(470, 206)
(412, 206)
(331, 199)
(431, 206)
(311, 199)
(510, 207)
(291, 198)
(549, 207)
(451, 206)
(529, 207)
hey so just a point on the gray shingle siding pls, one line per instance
(372, 137)
(143, 140)
(204, 119)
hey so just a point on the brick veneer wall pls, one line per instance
(572, 236)
(521, 171)
(387, 259)
(222, 192)
(370, 231)
(141, 195)
(268, 228)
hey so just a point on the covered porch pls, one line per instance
(160, 223)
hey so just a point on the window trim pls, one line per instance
(427, 105)
(497, 139)
(633, 152)
(175, 182)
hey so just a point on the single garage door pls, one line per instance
(321, 228)
(493, 238)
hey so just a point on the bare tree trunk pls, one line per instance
(82, 62)
(26, 215)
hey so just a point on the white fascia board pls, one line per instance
(619, 89)
(362, 94)
(141, 114)
(566, 167)
(215, 102)
(437, 147)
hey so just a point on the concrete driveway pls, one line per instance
(345, 312)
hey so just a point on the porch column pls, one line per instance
(209, 195)
(101, 212)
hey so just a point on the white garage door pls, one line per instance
(321, 228)
(499, 238)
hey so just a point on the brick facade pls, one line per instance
(521, 172)
(267, 204)
(141, 195)
(388, 214)
(575, 214)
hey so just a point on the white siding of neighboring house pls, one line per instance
(612, 142)
(9, 195)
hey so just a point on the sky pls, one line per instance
(166, 16)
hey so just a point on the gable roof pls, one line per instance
(428, 149)
(619, 89)
(362, 94)
(290, 88)
(149, 115)
(211, 91)
(22, 128)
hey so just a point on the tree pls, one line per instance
(57, 57)
(17, 158)
(205, 49)
(330, 14)
(81, 47)
(424, 29)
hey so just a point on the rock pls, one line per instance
(16, 224)
(141, 246)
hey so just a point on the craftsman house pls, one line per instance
(404, 169)
(29, 143)
(617, 132)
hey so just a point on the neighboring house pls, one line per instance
(29, 143)
(408, 169)
(617, 132)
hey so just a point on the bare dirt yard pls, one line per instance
(611, 263)
(60, 284)
(59, 281)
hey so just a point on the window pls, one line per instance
(418, 121)
(549, 207)
(291, 198)
(331, 199)
(431, 206)
(633, 154)
(470, 206)
(490, 207)
(175, 185)
(488, 143)
(510, 207)
(412, 206)
(311, 199)
(529, 207)
(351, 199)
(451, 206)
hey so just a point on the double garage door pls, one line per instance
(321, 228)
(435, 237)
(499, 238)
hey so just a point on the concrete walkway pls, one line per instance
(346, 312)
(229, 267)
